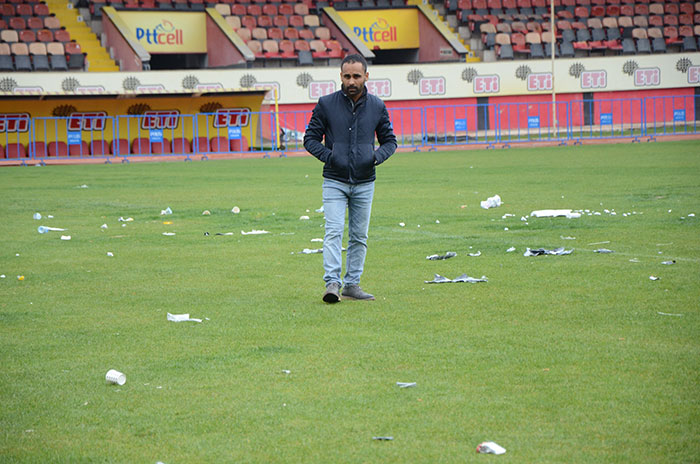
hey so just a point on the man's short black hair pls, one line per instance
(355, 58)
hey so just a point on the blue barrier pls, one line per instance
(168, 133)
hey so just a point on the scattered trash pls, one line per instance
(668, 263)
(82, 186)
(463, 278)
(654, 278)
(129, 219)
(37, 216)
(507, 215)
(166, 211)
(542, 251)
(634, 260)
(206, 212)
(182, 318)
(600, 243)
(317, 240)
(492, 202)
(2, 276)
(169, 233)
(103, 226)
(402, 224)
(44, 229)
(669, 314)
(567, 238)
(224, 233)
(304, 218)
(448, 255)
(167, 223)
(20, 277)
(478, 253)
(235, 210)
(406, 384)
(489, 447)
(109, 253)
(555, 213)
(310, 251)
(691, 215)
(383, 438)
(255, 232)
(437, 221)
(116, 377)
(510, 250)
(320, 210)
(65, 237)
(505, 228)
(286, 371)
(603, 250)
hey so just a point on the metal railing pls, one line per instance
(168, 133)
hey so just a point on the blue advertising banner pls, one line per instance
(234, 132)
(155, 135)
(74, 137)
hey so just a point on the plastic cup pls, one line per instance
(114, 376)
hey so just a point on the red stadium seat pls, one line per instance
(141, 146)
(219, 144)
(99, 148)
(201, 144)
(35, 23)
(38, 149)
(161, 148)
(2, 151)
(80, 149)
(41, 9)
(15, 150)
(120, 147)
(181, 145)
(239, 145)
(58, 148)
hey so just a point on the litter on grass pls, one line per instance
(166, 211)
(103, 226)
(668, 314)
(600, 243)
(654, 278)
(255, 232)
(668, 263)
(474, 255)
(383, 438)
(448, 255)
(182, 318)
(304, 218)
(37, 216)
(489, 447)
(492, 202)
(406, 384)
(542, 251)
(461, 279)
(603, 250)
(317, 240)
(235, 210)
(169, 233)
(65, 237)
(320, 210)
(109, 253)
(311, 251)
(567, 238)
(44, 229)
(206, 213)
(129, 219)
(634, 260)
(555, 213)
(510, 250)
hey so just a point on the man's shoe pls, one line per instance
(354, 292)
(332, 294)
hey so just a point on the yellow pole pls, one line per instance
(277, 120)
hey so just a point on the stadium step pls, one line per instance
(97, 57)
(471, 56)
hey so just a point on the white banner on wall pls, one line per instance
(391, 82)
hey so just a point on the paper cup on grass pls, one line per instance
(114, 376)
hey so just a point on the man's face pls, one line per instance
(353, 77)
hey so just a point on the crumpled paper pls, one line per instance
(182, 318)
(555, 213)
(492, 202)
(255, 232)
(463, 278)
(542, 251)
(449, 254)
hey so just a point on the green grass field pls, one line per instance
(567, 359)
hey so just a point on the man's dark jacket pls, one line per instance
(348, 154)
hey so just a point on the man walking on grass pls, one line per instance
(349, 120)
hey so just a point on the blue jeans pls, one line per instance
(357, 199)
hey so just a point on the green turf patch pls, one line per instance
(576, 358)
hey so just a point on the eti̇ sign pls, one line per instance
(164, 32)
(384, 29)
